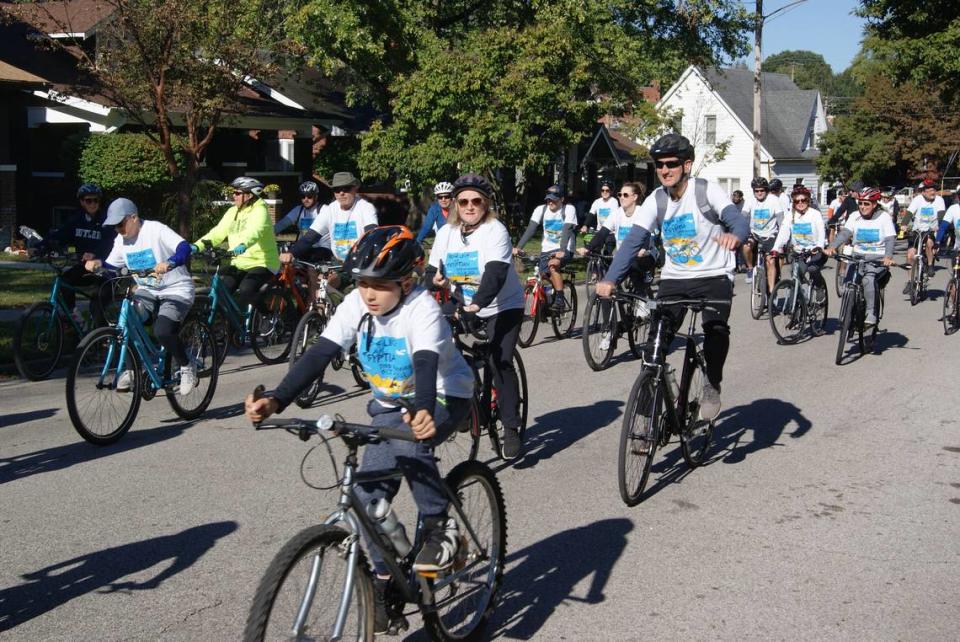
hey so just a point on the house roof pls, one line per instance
(787, 109)
(609, 142)
(73, 18)
(11, 74)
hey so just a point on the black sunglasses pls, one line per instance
(672, 164)
(237, 192)
(476, 200)
(625, 194)
(339, 190)
(90, 199)
(801, 200)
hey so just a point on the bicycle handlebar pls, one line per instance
(322, 268)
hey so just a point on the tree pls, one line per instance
(808, 70)
(176, 68)
(480, 86)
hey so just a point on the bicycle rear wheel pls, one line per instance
(38, 341)
(271, 331)
(787, 311)
(496, 423)
(564, 320)
(219, 328)
(845, 321)
(599, 336)
(202, 351)
(817, 309)
(469, 588)
(758, 291)
(308, 331)
(696, 434)
(531, 316)
(99, 413)
(309, 575)
(638, 437)
(951, 308)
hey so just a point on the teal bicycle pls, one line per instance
(101, 413)
(40, 338)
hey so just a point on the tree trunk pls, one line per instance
(188, 180)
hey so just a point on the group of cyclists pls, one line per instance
(402, 335)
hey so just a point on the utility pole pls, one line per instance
(757, 86)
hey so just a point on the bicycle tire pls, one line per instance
(272, 331)
(844, 320)
(695, 434)
(637, 449)
(219, 328)
(495, 425)
(951, 308)
(591, 277)
(563, 322)
(308, 330)
(463, 614)
(594, 326)
(916, 281)
(636, 330)
(838, 279)
(202, 351)
(38, 356)
(88, 363)
(787, 325)
(461, 445)
(531, 317)
(817, 312)
(757, 291)
(272, 613)
(356, 369)
(859, 318)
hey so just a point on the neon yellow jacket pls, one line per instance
(251, 227)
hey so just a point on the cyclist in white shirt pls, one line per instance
(602, 207)
(765, 214)
(559, 222)
(927, 210)
(168, 292)
(803, 228)
(776, 189)
(301, 218)
(873, 236)
(699, 247)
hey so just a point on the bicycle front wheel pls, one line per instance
(308, 577)
(838, 279)
(787, 311)
(638, 437)
(272, 331)
(98, 412)
(201, 349)
(758, 291)
(916, 280)
(308, 331)
(695, 435)
(845, 322)
(469, 587)
(219, 327)
(531, 316)
(564, 320)
(38, 342)
(951, 308)
(599, 337)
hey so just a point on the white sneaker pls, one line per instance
(709, 402)
(749, 278)
(188, 379)
(125, 381)
(605, 340)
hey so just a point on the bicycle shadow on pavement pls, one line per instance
(16, 418)
(104, 571)
(768, 419)
(544, 576)
(555, 431)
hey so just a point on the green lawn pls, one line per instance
(22, 288)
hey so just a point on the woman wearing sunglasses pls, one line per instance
(473, 251)
(803, 228)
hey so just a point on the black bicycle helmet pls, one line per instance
(309, 188)
(672, 145)
(475, 182)
(390, 253)
(776, 185)
(89, 189)
(760, 183)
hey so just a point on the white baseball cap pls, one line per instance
(119, 210)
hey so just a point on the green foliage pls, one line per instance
(203, 214)
(809, 70)
(478, 86)
(339, 154)
(853, 148)
(125, 164)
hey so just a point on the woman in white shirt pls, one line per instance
(803, 228)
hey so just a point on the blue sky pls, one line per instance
(823, 26)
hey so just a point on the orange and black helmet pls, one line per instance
(390, 253)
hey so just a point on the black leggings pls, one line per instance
(167, 332)
(640, 267)
(503, 329)
(246, 283)
(716, 332)
(812, 265)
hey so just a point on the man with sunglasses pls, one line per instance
(343, 220)
(302, 217)
(927, 209)
(699, 240)
(85, 232)
(765, 213)
(559, 225)
(439, 211)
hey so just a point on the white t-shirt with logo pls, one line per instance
(803, 232)
(302, 218)
(869, 234)
(953, 218)
(688, 237)
(925, 213)
(553, 223)
(619, 224)
(387, 358)
(155, 243)
(765, 216)
(344, 227)
(603, 208)
(464, 262)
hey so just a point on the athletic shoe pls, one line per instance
(605, 340)
(907, 286)
(511, 443)
(709, 402)
(188, 379)
(559, 303)
(125, 381)
(930, 270)
(440, 542)
(749, 277)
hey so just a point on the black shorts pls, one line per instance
(914, 238)
(765, 244)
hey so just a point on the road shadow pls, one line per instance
(765, 419)
(104, 571)
(16, 418)
(555, 431)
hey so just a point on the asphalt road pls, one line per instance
(830, 508)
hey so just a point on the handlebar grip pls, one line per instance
(258, 394)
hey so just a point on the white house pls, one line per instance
(715, 110)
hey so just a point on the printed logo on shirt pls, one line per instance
(388, 366)
(83, 233)
(679, 240)
(143, 260)
(552, 227)
(344, 236)
(760, 219)
(802, 234)
(602, 214)
(866, 240)
(463, 268)
(926, 216)
(306, 222)
(622, 232)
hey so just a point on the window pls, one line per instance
(730, 185)
(711, 131)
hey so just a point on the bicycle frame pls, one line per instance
(220, 299)
(60, 306)
(134, 335)
(658, 365)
